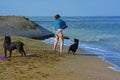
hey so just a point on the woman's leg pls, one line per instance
(61, 41)
(55, 43)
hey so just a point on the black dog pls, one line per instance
(74, 46)
(9, 46)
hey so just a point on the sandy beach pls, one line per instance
(87, 67)
(43, 64)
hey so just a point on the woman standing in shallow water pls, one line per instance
(58, 27)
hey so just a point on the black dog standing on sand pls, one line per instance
(9, 46)
(74, 46)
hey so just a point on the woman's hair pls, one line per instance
(57, 16)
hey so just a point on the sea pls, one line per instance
(98, 35)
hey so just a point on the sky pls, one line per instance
(62, 7)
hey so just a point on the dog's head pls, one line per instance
(7, 39)
(76, 41)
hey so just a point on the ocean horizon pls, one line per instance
(98, 35)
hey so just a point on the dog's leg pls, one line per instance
(21, 53)
(5, 51)
(10, 53)
(19, 48)
(24, 53)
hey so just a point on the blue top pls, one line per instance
(58, 24)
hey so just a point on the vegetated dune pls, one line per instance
(22, 26)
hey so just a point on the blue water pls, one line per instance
(97, 35)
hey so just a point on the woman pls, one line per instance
(58, 27)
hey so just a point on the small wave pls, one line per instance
(115, 68)
(37, 21)
(51, 41)
(96, 49)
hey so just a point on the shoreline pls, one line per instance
(87, 51)
(110, 65)
(86, 66)
(89, 68)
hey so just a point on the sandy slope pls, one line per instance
(21, 26)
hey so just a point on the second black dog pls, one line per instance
(74, 46)
(9, 46)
